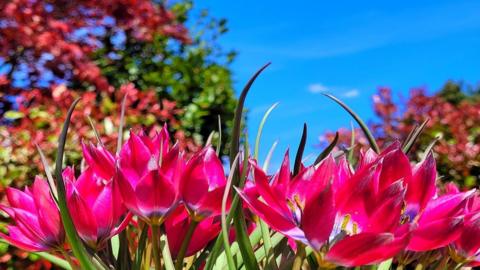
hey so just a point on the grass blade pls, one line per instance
(76, 244)
(219, 142)
(266, 163)
(408, 144)
(225, 225)
(48, 173)
(327, 150)
(260, 129)
(301, 148)
(363, 126)
(95, 131)
(122, 123)
(237, 120)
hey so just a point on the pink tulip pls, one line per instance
(100, 160)
(369, 202)
(467, 245)
(148, 176)
(37, 220)
(176, 227)
(95, 206)
(203, 184)
(301, 207)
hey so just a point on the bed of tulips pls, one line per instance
(148, 206)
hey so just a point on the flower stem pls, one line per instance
(185, 243)
(156, 246)
(167, 257)
(68, 259)
(299, 257)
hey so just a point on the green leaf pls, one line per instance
(260, 129)
(385, 265)
(141, 247)
(237, 119)
(225, 225)
(327, 150)
(76, 244)
(13, 115)
(363, 126)
(413, 136)
(54, 259)
(301, 148)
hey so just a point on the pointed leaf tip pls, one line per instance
(363, 126)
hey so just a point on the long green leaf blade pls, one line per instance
(327, 150)
(76, 244)
(301, 148)
(363, 126)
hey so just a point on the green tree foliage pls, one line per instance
(195, 75)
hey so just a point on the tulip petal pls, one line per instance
(17, 239)
(421, 187)
(368, 248)
(155, 194)
(436, 234)
(100, 159)
(278, 221)
(318, 218)
(83, 219)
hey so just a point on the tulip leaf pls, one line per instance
(327, 150)
(266, 163)
(363, 126)
(301, 148)
(95, 131)
(385, 265)
(225, 225)
(141, 247)
(219, 142)
(54, 259)
(122, 123)
(76, 244)
(352, 144)
(48, 173)
(234, 147)
(411, 139)
(237, 120)
(260, 129)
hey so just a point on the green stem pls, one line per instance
(156, 246)
(299, 257)
(167, 257)
(184, 246)
(68, 259)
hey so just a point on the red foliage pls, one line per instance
(44, 112)
(59, 35)
(458, 150)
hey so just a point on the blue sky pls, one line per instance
(347, 48)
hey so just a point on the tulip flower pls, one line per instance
(301, 208)
(100, 160)
(369, 203)
(148, 176)
(95, 206)
(177, 225)
(203, 184)
(37, 220)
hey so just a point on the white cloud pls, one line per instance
(351, 93)
(317, 88)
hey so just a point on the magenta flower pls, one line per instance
(95, 206)
(203, 184)
(301, 208)
(369, 200)
(176, 227)
(37, 220)
(148, 176)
